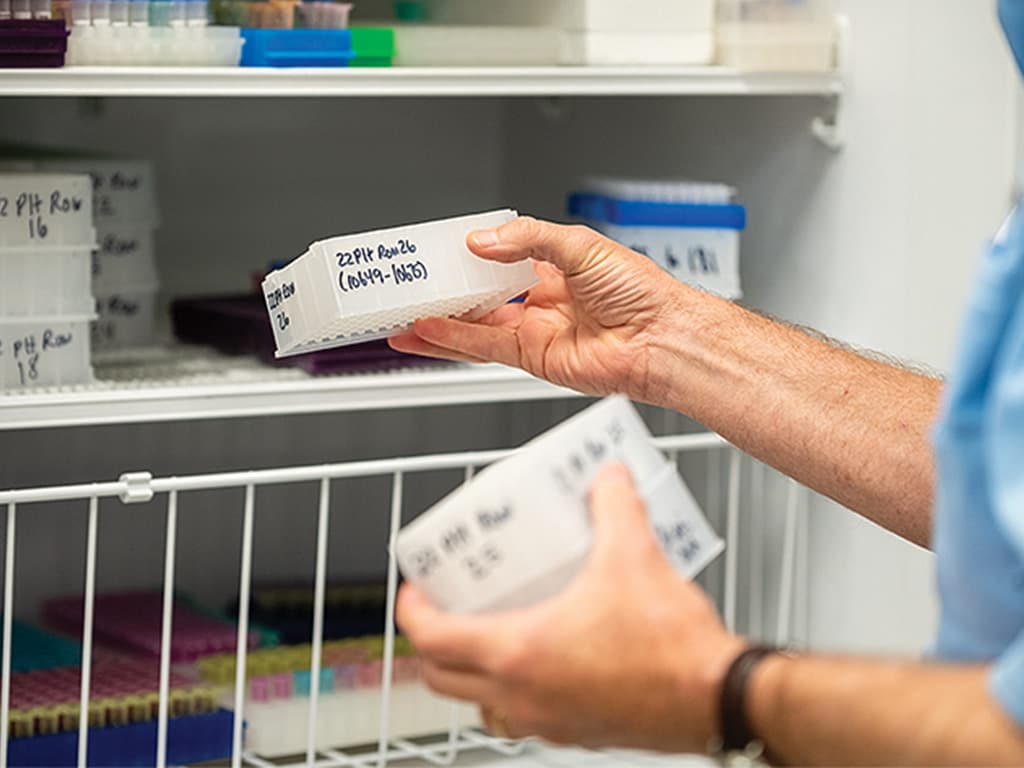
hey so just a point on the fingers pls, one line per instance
(497, 724)
(412, 344)
(573, 249)
(458, 684)
(467, 643)
(617, 510)
(475, 340)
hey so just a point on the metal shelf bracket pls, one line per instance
(828, 129)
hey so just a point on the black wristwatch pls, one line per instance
(737, 744)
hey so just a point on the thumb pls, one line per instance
(573, 249)
(618, 513)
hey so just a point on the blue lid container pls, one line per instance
(297, 48)
(636, 213)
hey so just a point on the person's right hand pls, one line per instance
(591, 324)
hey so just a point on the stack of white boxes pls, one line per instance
(46, 304)
(125, 279)
(602, 32)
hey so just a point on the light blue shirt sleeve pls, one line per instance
(1004, 422)
(1007, 681)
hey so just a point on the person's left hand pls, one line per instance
(629, 655)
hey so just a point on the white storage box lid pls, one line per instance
(370, 286)
(519, 532)
(46, 210)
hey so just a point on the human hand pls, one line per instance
(591, 324)
(629, 655)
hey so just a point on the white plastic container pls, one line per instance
(691, 230)
(123, 190)
(155, 46)
(610, 16)
(430, 45)
(520, 530)
(45, 281)
(45, 210)
(44, 352)
(125, 319)
(644, 48)
(125, 256)
(777, 35)
(369, 286)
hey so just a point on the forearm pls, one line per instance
(854, 429)
(817, 711)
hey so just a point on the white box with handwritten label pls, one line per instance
(520, 531)
(373, 285)
(44, 351)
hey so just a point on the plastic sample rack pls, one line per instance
(374, 285)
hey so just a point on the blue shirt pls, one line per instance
(979, 515)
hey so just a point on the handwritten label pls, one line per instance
(30, 356)
(37, 211)
(574, 471)
(380, 264)
(275, 304)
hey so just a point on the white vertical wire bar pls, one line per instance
(714, 509)
(454, 719)
(5, 682)
(803, 567)
(732, 538)
(242, 650)
(318, 619)
(755, 583)
(90, 600)
(389, 618)
(166, 626)
(786, 578)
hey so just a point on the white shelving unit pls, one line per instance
(198, 384)
(413, 81)
(191, 384)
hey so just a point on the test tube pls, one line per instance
(100, 13)
(197, 13)
(41, 9)
(5, 9)
(21, 9)
(177, 13)
(138, 13)
(159, 13)
(81, 13)
(119, 13)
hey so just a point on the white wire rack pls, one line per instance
(444, 749)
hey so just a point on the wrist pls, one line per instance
(711, 677)
(684, 361)
(763, 701)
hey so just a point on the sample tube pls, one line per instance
(81, 13)
(138, 13)
(177, 13)
(159, 13)
(5, 9)
(197, 13)
(21, 9)
(100, 13)
(119, 13)
(41, 9)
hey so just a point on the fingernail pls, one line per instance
(617, 472)
(485, 238)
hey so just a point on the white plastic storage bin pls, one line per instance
(692, 231)
(44, 352)
(612, 16)
(46, 281)
(125, 256)
(777, 35)
(373, 285)
(155, 46)
(124, 190)
(43, 210)
(125, 319)
(433, 45)
(650, 48)
(520, 530)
